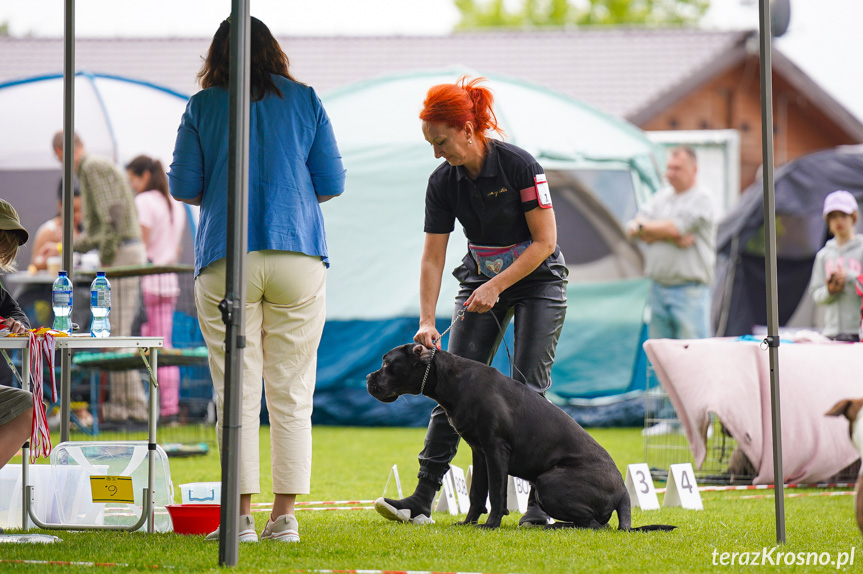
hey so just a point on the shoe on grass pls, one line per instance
(284, 529)
(534, 516)
(660, 428)
(247, 530)
(387, 508)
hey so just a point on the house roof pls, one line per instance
(628, 72)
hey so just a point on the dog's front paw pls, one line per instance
(475, 511)
(490, 525)
(466, 522)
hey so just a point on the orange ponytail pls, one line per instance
(459, 103)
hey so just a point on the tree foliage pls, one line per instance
(535, 13)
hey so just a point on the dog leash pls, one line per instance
(513, 368)
(458, 316)
(428, 368)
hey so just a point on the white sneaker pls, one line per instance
(660, 428)
(284, 529)
(247, 530)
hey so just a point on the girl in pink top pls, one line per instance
(162, 221)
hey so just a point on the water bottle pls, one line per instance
(61, 302)
(100, 306)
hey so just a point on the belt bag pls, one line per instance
(492, 260)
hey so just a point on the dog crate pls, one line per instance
(666, 444)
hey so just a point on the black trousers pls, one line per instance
(538, 309)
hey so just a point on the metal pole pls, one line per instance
(772, 339)
(235, 278)
(153, 412)
(68, 186)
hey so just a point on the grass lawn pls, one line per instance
(353, 463)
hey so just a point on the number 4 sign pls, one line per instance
(681, 489)
(639, 484)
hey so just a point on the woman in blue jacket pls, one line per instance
(294, 164)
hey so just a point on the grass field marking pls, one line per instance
(270, 509)
(120, 512)
(385, 572)
(794, 495)
(770, 486)
(320, 502)
(65, 563)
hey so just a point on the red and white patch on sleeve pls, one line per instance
(543, 195)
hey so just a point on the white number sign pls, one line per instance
(516, 494)
(447, 501)
(460, 486)
(394, 472)
(682, 489)
(639, 484)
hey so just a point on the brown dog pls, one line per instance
(852, 409)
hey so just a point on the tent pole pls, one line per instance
(68, 200)
(772, 339)
(233, 304)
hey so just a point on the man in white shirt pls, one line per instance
(678, 230)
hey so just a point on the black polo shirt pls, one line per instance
(489, 208)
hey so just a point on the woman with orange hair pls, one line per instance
(513, 268)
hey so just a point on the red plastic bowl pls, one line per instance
(194, 518)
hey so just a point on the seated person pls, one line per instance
(837, 266)
(51, 232)
(16, 405)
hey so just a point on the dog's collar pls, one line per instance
(428, 368)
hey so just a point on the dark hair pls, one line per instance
(267, 59)
(459, 103)
(158, 178)
(76, 189)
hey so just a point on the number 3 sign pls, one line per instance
(639, 484)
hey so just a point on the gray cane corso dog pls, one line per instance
(512, 430)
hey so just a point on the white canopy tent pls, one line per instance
(118, 118)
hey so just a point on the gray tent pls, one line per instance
(801, 186)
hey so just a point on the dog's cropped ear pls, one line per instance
(849, 408)
(422, 352)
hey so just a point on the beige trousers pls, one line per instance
(284, 316)
(127, 400)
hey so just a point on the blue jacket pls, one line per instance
(293, 158)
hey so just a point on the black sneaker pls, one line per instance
(534, 516)
(387, 508)
(415, 509)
